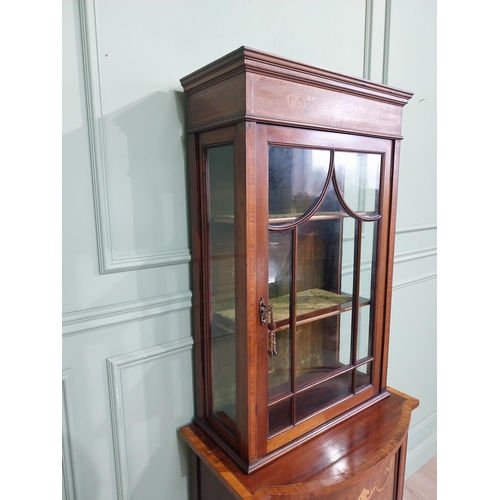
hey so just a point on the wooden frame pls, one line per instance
(253, 100)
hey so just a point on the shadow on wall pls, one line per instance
(148, 173)
(145, 172)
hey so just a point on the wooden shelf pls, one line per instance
(275, 219)
(284, 218)
(311, 304)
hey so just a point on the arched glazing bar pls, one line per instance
(341, 199)
(343, 211)
(314, 208)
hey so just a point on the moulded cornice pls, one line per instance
(246, 59)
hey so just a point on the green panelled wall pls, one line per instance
(127, 333)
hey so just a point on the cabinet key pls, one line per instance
(264, 310)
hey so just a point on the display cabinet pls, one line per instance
(293, 176)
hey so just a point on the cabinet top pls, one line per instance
(332, 457)
(249, 60)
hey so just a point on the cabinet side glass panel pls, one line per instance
(220, 168)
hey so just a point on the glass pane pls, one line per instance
(297, 177)
(363, 376)
(280, 416)
(224, 376)
(368, 249)
(222, 264)
(348, 225)
(315, 253)
(323, 395)
(280, 271)
(358, 174)
(318, 267)
(330, 206)
(364, 333)
(345, 338)
(280, 366)
(316, 350)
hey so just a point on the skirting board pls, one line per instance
(421, 450)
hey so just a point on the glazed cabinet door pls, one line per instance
(324, 228)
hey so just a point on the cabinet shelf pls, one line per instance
(288, 218)
(284, 218)
(311, 304)
(276, 219)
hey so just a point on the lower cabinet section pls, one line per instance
(362, 458)
(377, 484)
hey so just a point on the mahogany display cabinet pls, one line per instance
(293, 177)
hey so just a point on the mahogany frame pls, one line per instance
(250, 99)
